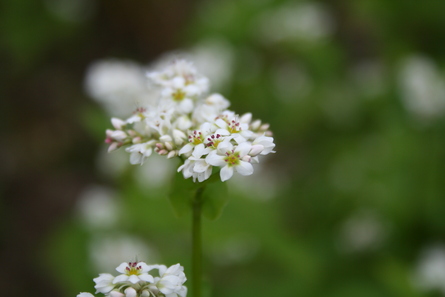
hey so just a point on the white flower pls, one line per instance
(181, 94)
(264, 144)
(230, 158)
(171, 281)
(140, 151)
(85, 295)
(183, 69)
(133, 272)
(104, 283)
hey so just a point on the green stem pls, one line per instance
(197, 244)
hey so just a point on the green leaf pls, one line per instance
(214, 198)
(182, 194)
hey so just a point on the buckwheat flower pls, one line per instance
(180, 68)
(210, 108)
(84, 294)
(138, 152)
(263, 145)
(133, 272)
(171, 281)
(181, 94)
(104, 283)
(231, 158)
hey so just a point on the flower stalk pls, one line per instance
(197, 244)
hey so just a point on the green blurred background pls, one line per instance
(352, 204)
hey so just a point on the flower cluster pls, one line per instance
(136, 281)
(190, 123)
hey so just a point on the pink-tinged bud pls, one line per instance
(268, 133)
(117, 123)
(255, 125)
(130, 292)
(246, 158)
(171, 154)
(264, 127)
(256, 149)
(116, 294)
(168, 146)
(137, 139)
(246, 118)
(118, 135)
(114, 146)
(159, 145)
(165, 138)
(132, 133)
(163, 152)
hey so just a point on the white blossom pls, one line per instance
(133, 272)
(188, 123)
(136, 280)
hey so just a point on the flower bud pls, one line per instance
(264, 127)
(130, 292)
(256, 149)
(113, 146)
(163, 152)
(117, 123)
(255, 125)
(246, 118)
(168, 146)
(116, 293)
(247, 158)
(171, 154)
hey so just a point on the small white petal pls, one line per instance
(244, 168)
(186, 148)
(243, 148)
(146, 277)
(215, 160)
(226, 173)
(136, 158)
(120, 278)
(134, 279)
(201, 166)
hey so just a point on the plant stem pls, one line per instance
(197, 244)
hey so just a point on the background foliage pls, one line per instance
(352, 204)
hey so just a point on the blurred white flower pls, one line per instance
(119, 86)
(118, 248)
(291, 82)
(363, 231)
(156, 172)
(307, 22)
(429, 273)
(72, 11)
(98, 207)
(234, 250)
(85, 295)
(214, 57)
(422, 87)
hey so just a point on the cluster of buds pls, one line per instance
(193, 125)
(136, 280)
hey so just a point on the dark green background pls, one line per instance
(348, 149)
